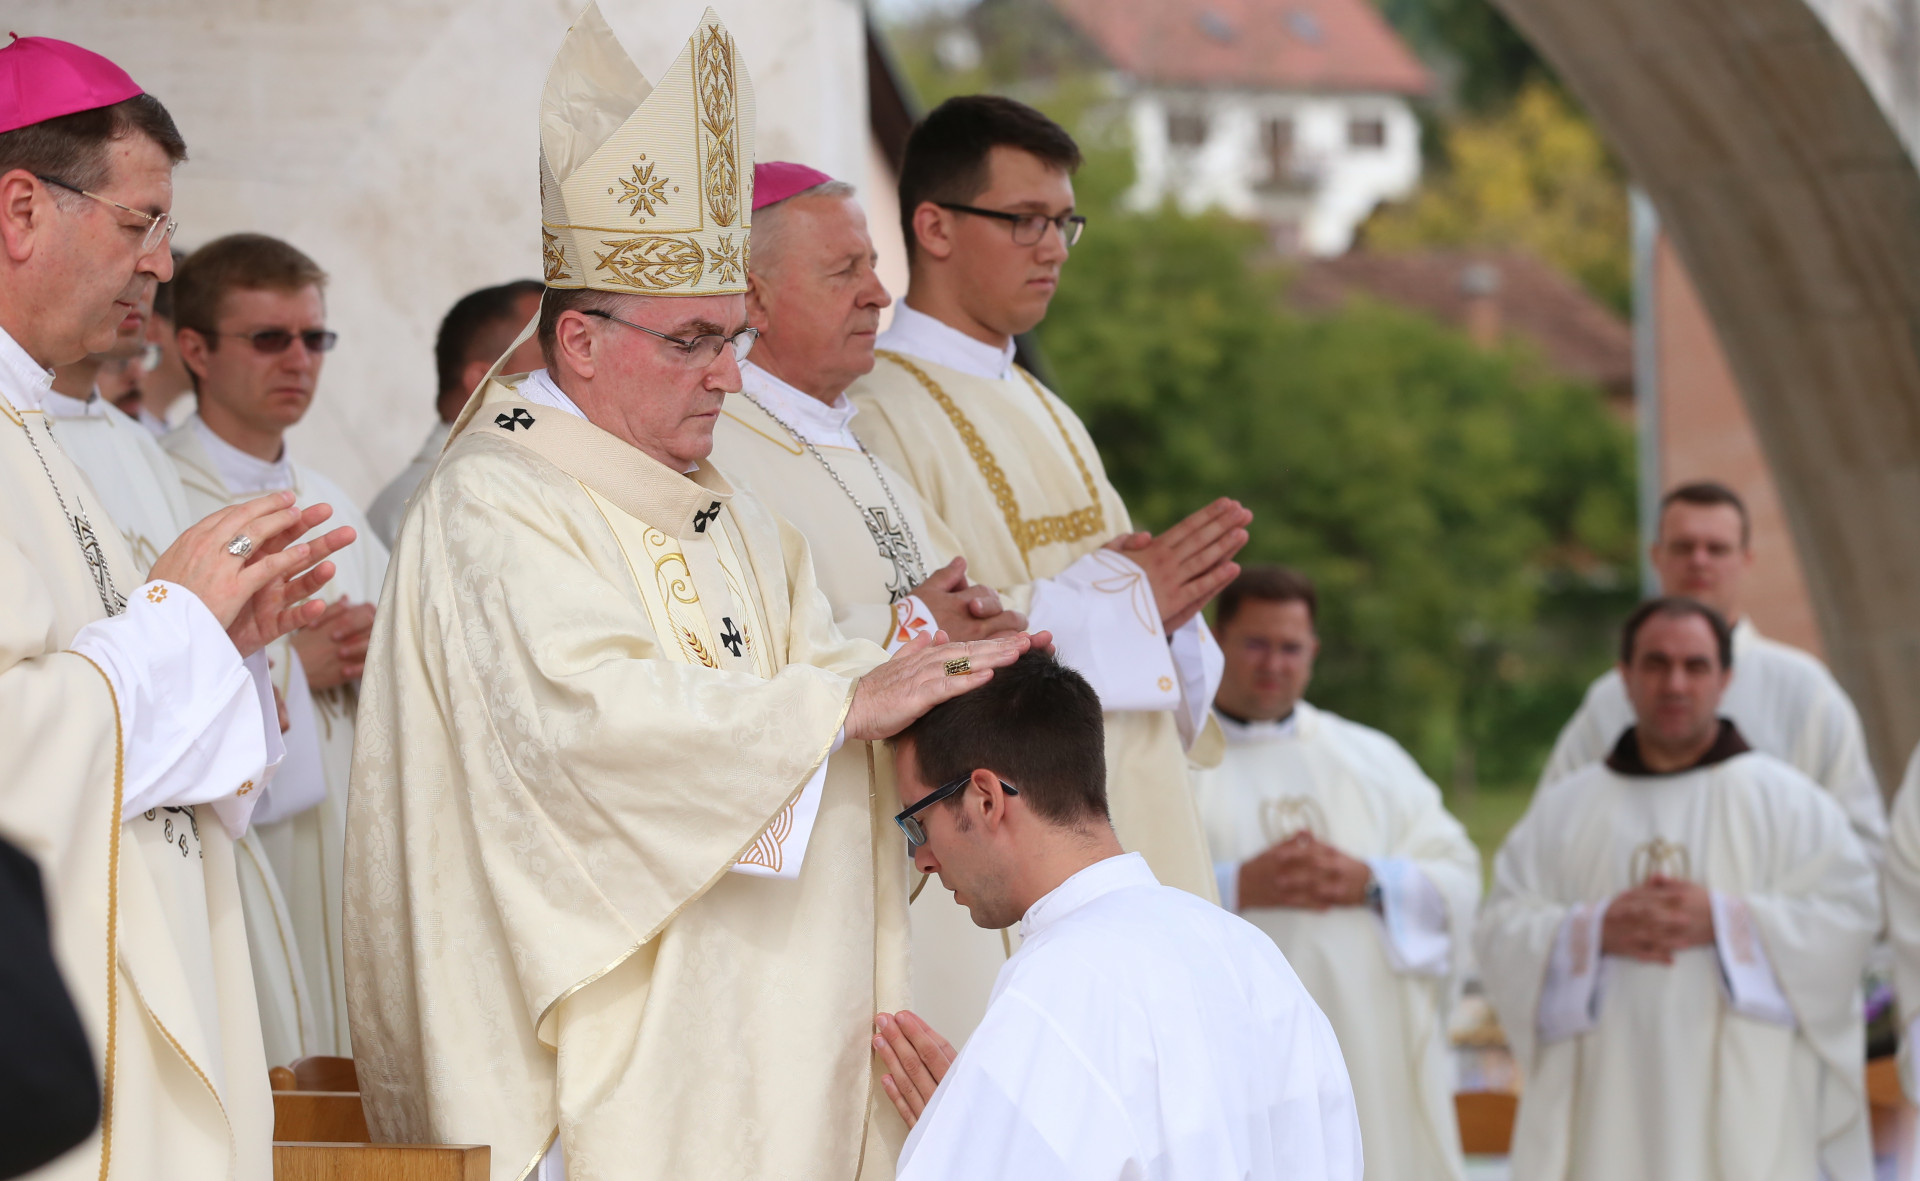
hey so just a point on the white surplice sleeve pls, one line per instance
(198, 723)
(1106, 626)
(1414, 918)
(1752, 988)
(1576, 976)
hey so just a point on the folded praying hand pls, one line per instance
(916, 1058)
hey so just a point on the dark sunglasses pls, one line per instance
(909, 824)
(279, 340)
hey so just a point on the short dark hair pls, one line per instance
(237, 262)
(566, 299)
(1678, 607)
(479, 327)
(74, 147)
(1269, 584)
(946, 156)
(1037, 724)
(1706, 493)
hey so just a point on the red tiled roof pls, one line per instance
(1343, 45)
(1578, 336)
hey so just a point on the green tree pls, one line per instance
(1534, 175)
(1469, 520)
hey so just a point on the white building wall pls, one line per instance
(1337, 183)
(395, 142)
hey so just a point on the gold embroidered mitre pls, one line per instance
(646, 189)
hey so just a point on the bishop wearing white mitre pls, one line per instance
(1674, 943)
(1329, 838)
(612, 807)
(138, 735)
(987, 207)
(1784, 700)
(141, 492)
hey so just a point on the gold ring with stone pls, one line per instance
(241, 546)
(960, 667)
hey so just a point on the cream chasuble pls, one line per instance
(1664, 1076)
(1354, 788)
(141, 490)
(302, 843)
(605, 686)
(145, 914)
(1785, 702)
(1011, 470)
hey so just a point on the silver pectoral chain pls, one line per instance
(917, 572)
(95, 557)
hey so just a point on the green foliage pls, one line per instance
(1469, 521)
(1486, 57)
(1534, 175)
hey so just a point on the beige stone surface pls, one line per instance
(1768, 134)
(395, 142)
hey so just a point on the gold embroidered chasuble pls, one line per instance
(305, 984)
(146, 914)
(1011, 470)
(605, 685)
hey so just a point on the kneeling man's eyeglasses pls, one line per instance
(910, 824)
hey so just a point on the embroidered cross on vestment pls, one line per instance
(519, 417)
(705, 517)
(731, 636)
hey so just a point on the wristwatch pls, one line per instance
(1376, 898)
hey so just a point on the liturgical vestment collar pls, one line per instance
(1626, 760)
(682, 506)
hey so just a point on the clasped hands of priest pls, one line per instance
(1303, 872)
(1657, 918)
(266, 592)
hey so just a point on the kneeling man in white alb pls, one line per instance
(1138, 1031)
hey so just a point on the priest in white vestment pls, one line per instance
(1903, 916)
(621, 898)
(1138, 1031)
(1328, 836)
(1011, 469)
(1784, 700)
(479, 327)
(140, 726)
(886, 562)
(252, 325)
(1674, 944)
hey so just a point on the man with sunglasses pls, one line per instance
(250, 312)
(1138, 1031)
(987, 206)
(137, 727)
(613, 802)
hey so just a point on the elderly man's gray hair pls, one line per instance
(768, 224)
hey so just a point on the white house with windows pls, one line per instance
(1291, 112)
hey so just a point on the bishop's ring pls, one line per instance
(960, 667)
(241, 547)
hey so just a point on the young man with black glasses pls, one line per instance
(1138, 1031)
(252, 328)
(987, 205)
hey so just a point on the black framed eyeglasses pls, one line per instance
(701, 350)
(910, 824)
(1028, 228)
(159, 228)
(279, 340)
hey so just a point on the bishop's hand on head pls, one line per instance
(1192, 562)
(256, 590)
(963, 610)
(923, 673)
